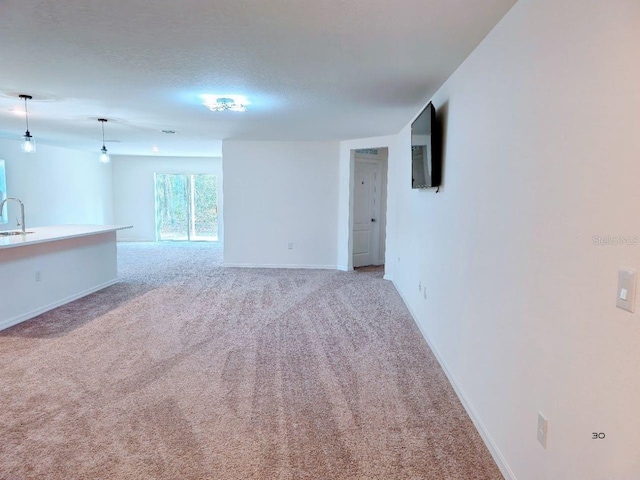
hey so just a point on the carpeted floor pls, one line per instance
(187, 370)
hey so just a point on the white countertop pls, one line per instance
(56, 232)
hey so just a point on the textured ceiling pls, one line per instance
(312, 70)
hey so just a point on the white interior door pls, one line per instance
(366, 213)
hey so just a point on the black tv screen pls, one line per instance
(425, 150)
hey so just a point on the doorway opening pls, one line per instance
(186, 207)
(369, 207)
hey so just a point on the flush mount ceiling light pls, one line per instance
(217, 103)
(104, 155)
(28, 143)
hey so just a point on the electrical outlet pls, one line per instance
(38, 276)
(627, 280)
(290, 245)
(543, 426)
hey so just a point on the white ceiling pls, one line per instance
(312, 70)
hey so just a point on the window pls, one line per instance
(186, 207)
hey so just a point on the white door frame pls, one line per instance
(375, 213)
(383, 221)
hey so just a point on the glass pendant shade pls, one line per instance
(28, 143)
(104, 155)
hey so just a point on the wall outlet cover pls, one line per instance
(626, 294)
(543, 426)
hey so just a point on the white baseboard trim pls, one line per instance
(390, 278)
(39, 311)
(153, 240)
(135, 240)
(475, 418)
(278, 265)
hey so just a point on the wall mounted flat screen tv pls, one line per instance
(425, 150)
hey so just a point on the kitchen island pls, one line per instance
(51, 266)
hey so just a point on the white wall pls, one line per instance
(281, 192)
(134, 190)
(57, 186)
(542, 142)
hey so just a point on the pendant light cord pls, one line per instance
(102, 122)
(26, 113)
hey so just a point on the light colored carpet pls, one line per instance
(187, 370)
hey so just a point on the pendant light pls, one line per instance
(28, 143)
(104, 155)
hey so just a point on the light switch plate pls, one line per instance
(626, 298)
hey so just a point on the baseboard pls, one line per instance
(277, 265)
(153, 240)
(133, 240)
(39, 311)
(475, 418)
(390, 278)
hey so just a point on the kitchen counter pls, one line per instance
(56, 232)
(53, 266)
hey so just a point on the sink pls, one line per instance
(9, 234)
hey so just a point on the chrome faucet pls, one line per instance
(19, 224)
